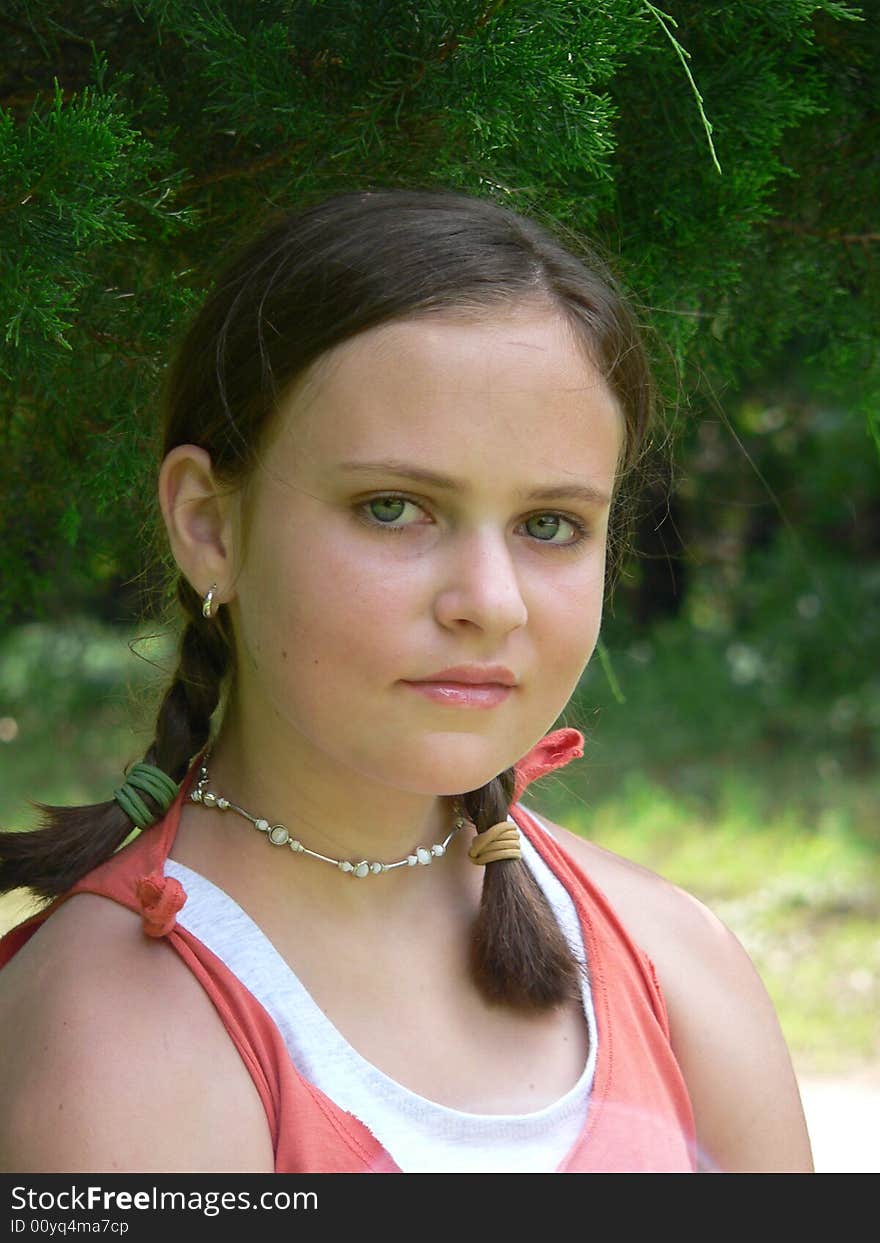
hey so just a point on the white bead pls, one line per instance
(209, 799)
(295, 845)
(262, 825)
(344, 865)
(278, 835)
(361, 869)
(423, 856)
(195, 796)
(411, 861)
(222, 803)
(438, 849)
(376, 868)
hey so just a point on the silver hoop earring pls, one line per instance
(208, 601)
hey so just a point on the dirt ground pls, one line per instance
(842, 1117)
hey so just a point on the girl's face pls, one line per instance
(435, 496)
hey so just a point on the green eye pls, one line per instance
(386, 503)
(545, 526)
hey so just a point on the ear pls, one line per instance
(200, 518)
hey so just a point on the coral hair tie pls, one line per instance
(501, 841)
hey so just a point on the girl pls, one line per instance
(340, 941)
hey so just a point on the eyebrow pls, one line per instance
(562, 491)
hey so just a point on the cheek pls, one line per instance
(565, 625)
(333, 605)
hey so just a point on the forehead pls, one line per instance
(514, 390)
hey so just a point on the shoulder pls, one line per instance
(658, 915)
(723, 1026)
(113, 1058)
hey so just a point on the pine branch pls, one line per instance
(453, 42)
(824, 235)
(683, 55)
(449, 45)
(242, 170)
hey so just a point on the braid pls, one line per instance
(183, 725)
(519, 955)
(73, 840)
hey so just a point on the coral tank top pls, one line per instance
(639, 1118)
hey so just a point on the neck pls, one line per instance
(205, 793)
(343, 818)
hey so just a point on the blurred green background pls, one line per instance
(727, 158)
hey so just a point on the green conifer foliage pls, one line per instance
(726, 156)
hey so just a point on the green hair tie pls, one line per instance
(152, 781)
(155, 782)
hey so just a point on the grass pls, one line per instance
(802, 896)
(780, 842)
(76, 705)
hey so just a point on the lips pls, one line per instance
(467, 686)
(471, 675)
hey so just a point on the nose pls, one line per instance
(481, 587)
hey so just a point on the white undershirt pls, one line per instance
(420, 1135)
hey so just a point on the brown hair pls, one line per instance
(309, 282)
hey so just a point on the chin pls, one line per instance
(457, 764)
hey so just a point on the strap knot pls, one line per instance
(161, 897)
(501, 841)
(551, 752)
